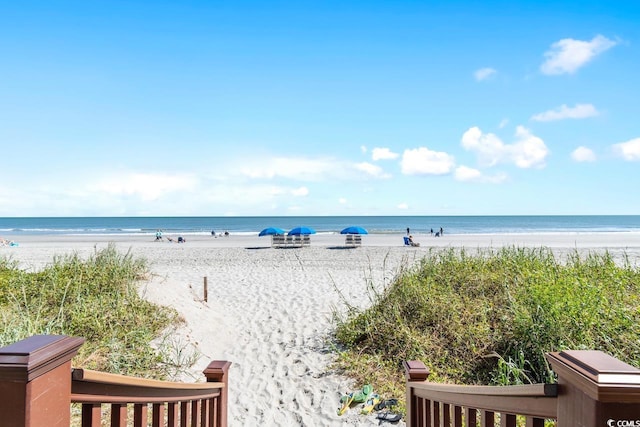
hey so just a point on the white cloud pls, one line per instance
(580, 111)
(488, 147)
(503, 123)
(422, 161)
(300, 192)
(370, 169)
(383, 154)
(483, 73)
(567, 55)
(467, 174)
(403, 206)
(629, 150)
(342, 201)
(583, 154)
(363, 149)
(464, 173)
(146, 186)
(527, 151)
(289, 167)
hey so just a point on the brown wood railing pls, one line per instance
(593, 389)
(38, 386)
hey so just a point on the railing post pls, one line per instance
(595, 389)
(35, 381)
(218, 371)
(414, 370)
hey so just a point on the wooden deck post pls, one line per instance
(414, 370)
(595, 389)
(35, 381)
(218, 371)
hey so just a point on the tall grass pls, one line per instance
(94, 298)
(489, 317)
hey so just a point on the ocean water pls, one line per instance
(322, 224)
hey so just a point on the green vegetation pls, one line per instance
(489, 317)
(96, 299)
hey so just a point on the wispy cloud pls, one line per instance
(580, 111)
(467, 174)
(301, 168)
(300, 192)
(566, 56)
(583, 154)
(372, 170)
(527, 151)
(629, 150)
(422, 161)
(484, 73)
(145, 185)
(383, 154)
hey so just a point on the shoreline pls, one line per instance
(270, 311)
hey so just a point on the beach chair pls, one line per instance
(306, 240)
(348, 240)
(277, 241)
(297, 241)
(357, 240)
(289, 241)
(408, 242)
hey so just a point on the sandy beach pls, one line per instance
(269, 311)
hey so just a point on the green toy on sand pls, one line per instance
(373, 400)
(360, 396)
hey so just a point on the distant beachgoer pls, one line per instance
(159, 235)
(432, 231)
(226, 234)
(411, 242)
(408, 231)
(213, 233)
(181, 239)
(441, 231)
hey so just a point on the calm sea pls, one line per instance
(328, 224)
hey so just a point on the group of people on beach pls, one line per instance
(5, 242)
(170, 239)
(438, 233)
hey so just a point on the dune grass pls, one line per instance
(96, 299)
(488, 317)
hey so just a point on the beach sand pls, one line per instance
(269, 311)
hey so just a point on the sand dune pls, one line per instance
(269, 311)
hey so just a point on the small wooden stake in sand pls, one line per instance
(205, 289)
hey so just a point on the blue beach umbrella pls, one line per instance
(301, 231)
(354, 229)
(271, 231)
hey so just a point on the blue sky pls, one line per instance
(214, 108)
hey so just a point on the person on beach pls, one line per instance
(408, 231)
(411, 242)
(159, 235)
(441, 231)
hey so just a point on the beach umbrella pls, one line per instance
(301, 231)
(271, 231)
(354, 229)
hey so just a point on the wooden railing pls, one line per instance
(38, 386)
(593, 390)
